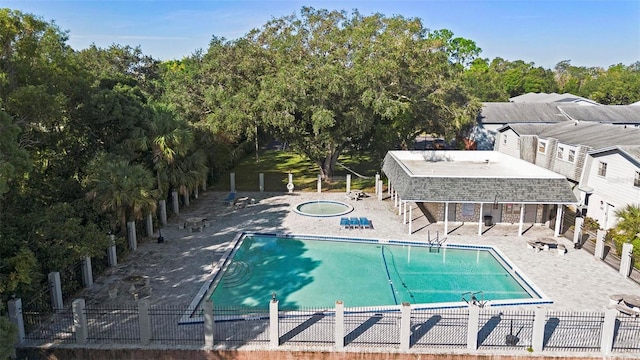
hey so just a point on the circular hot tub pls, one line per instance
(323, 208)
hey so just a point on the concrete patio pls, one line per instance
(179, 266)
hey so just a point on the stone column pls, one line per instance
(339, 325)
(599, 252)
(625, 259)
(319, 183)
(175, 203)
(608, 331)
(232, 181)
(149, 225)
(162, 205)
(380, 190)
(274, 331)
(80, 321)
(537, 336)
(209, 324)
(87, 273)
(405, 327)
(378, 185)
(55, 288)
(131, 230)
(577, 231)
(145, 321)
(348, 183)
(111, 251)
(472, 328)
(261, 180)
(14, 307)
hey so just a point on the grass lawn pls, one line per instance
(277, 164)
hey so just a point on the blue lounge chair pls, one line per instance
(354, 222)
(344, 222)
(230, 199)
(365, 223)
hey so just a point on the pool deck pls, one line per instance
(179, 266)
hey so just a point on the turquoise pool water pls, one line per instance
(316, 273)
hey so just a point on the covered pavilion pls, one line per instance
(484, 186)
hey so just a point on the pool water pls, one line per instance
(316, 273)
(323, 208)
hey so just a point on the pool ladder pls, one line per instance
(435, 244)
(473, 299)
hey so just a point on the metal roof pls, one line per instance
(506, 112)
(620, 114)
(551, 97)
(472, 177)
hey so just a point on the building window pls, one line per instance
(513, 209)
(560, 152)
(504, 139)
(636, 180)
(542, 147)
(572, 155)
(602, 169)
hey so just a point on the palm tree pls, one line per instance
(125, 190)
(168, 138)
(627, 229)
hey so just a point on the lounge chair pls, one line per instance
(344, 222)
(365, 223)
(354, 223)
(230, 199)
(625, 309)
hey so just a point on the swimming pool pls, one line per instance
(323, 208)
(315, 271)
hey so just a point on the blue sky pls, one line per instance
(587, 32)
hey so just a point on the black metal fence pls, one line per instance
(579, 331)
(113, 325)
(365, 328)
(439, 327)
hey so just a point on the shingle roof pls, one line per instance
(631, 151)
(515, 180)
(624, 114)
(591, 134)
(505, 112)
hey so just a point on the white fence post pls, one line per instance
(472, 329)
(131, 230)
(405, 327)
(145, 321)
(261, 179)
(274, 331)
(608, 331)
(87, 272)
(537, 336)
(162, 205)
(14, 307)
(577, 230)
(111, 251)
(209, 324)
(175, 202)
(348, 183)
(378, 187)
(232, 181)
(149, 225)
(80, 321)
(625, 259)
(599, 252)
(319, 183)
(380, 190)
(55, 288)
(339, 325)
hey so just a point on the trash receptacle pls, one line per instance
(488, 220)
